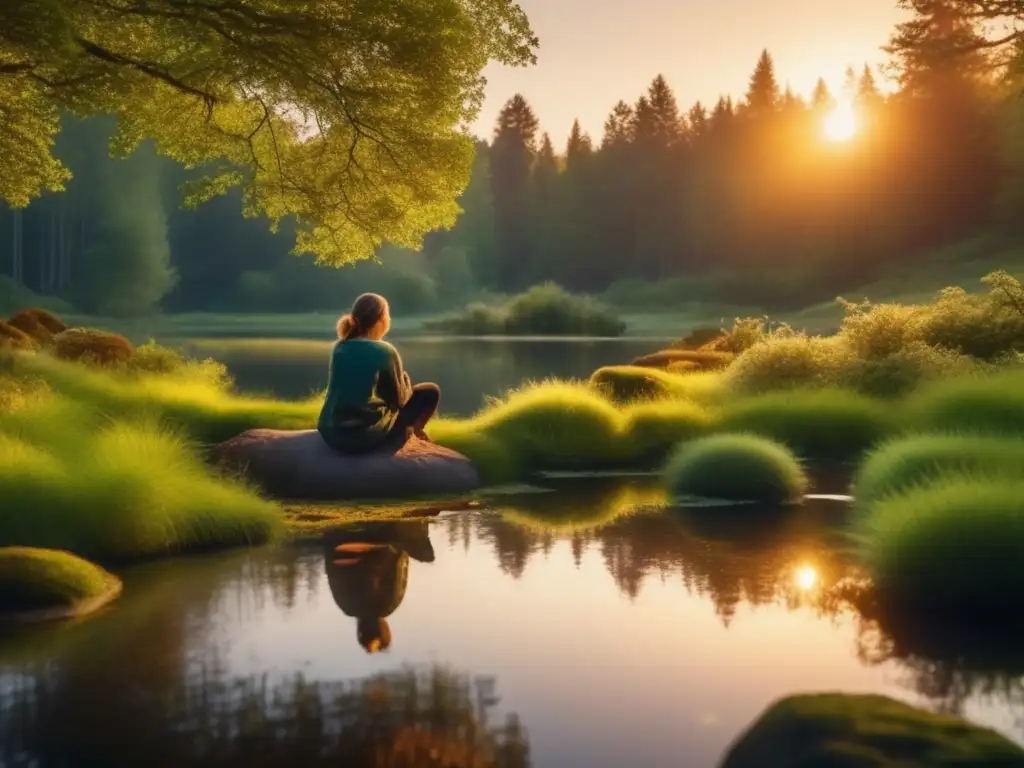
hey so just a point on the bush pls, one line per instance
(652, 430)
(906, 370)
(827, 424)
(993, 404)
(116, 490)
(788, 361)
(738, 468)
(153, 358)
(92, 346)
(906, 463)
(951, 548)
(46, 580)
(544, 310)
(14, 337)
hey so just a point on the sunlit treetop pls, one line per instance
(350, 115)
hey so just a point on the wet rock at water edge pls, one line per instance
(301, 466)
(844, 731)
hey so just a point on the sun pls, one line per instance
(806, 578)
(841, 123)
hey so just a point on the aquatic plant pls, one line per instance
(865, 730)
(75, 480)
(828, 424)
(951, 547)
(43, 580)
(735, 467)
(909, 462)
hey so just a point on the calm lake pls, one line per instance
(584, 626)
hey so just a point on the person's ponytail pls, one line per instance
(347, 327)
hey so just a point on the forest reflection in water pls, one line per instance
(162, 676)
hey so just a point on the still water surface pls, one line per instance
(584, 627)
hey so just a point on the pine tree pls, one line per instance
(657, 115)
(850, 83)
(512, 159)
(763, 93)
(869, 97)
(721, 117)
(579, 149)
(821, 98)
(618, 128)
(697, 118)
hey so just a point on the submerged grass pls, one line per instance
(735, 468)
(910, 462)
(950, 548)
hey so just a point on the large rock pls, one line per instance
(300, 465)
(858, 731)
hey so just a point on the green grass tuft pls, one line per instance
(827, 425)
(737, 468)
(993, 405)
(41, 580)
(653, 429)
(906, 463)
(953, 547)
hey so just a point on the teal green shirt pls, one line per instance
(366, 387)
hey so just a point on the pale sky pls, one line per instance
(595, 52)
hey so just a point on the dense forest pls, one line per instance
(746, 200)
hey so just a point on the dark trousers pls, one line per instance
(415, 414)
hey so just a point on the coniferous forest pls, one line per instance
(751, 200)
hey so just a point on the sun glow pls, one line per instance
(806, 578)
(841, 123)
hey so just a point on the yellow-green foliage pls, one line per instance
(72, 478)
(736, 468)
(704, 360)
(651, 430)
(789, 360)
(993, 404)
(951, 547)
(827, 424)
(910, 462)
(628, 383)
(92, 346)
(41, 579)
(699, 337)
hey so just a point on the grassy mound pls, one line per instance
(911, 462)
(702, 360)
(830, 424)
(846, 730)
(953, 547)
(652, 430)
(627, 383)
(735, 468)
(57, 583)
(544, 310)
(75, 480)
(992, 404)
(88, 345)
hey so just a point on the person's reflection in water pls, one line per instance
(368, 570)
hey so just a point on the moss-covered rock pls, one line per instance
(704, 360)
(39, 324)
(843, 731)
(90, 345)
(14, 337)
(42, 584)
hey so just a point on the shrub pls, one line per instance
(546, 310)
(877, 331)
(700, 359)
(993, 404)
(787, 361)
(652, 430)
(951, 547)
(47, 580)
(14, 337)
(910, 462)
(117, 490)
(40, 324)
(152, 358)
(905, 370)
(818, 424)
(92, 346)
(735, 468)
(556, 426)
(745, 333)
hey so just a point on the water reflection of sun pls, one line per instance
(806, 577)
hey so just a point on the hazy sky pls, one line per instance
(595, 52)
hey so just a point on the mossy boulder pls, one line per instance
(703, 360)
(39, 324)
(46, 584)
(92, 346)
(14, 337)
(842, 731)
